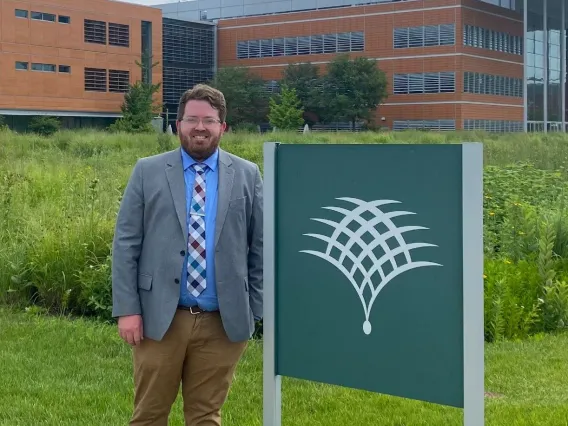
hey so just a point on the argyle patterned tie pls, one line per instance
(196, 265)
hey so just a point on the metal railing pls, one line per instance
(550, 126)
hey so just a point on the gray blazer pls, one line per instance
(151, 237)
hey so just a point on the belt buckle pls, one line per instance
(194, 313)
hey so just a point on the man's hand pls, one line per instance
(130, 329)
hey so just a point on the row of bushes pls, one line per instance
(59, 197)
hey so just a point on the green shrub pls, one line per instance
(44, 125)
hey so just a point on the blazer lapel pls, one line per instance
(176, 181)
(226, 177)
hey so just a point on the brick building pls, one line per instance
(72, 58)
(75, 58)
(464, 64)
(424, 47)
(498, 65)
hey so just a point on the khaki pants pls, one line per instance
(194, 352)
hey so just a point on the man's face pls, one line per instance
(200, 130)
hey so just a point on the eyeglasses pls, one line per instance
(194, 121)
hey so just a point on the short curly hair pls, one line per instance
(203, 92)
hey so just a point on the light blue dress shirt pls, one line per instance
(207, 300)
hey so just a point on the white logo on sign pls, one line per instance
(366, 216)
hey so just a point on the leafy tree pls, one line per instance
(305, 79)
(138, 108)
(352, 89)
(245, 94)
(286, 112)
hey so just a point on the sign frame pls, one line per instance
(473, 301)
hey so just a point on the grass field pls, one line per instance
(58, 372)
(58, 200)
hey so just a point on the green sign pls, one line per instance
(373, 271)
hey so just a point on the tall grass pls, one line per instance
(59, 197)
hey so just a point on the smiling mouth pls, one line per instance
(200, 137)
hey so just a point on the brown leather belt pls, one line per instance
(194, 310)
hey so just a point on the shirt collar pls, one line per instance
(211, 162)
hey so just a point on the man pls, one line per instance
(187, 267)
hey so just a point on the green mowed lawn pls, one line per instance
(55, 371)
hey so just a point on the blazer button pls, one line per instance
(176, 281)
(182, 252)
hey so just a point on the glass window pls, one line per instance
(432, 83)
(416, 37)
(254, 48)
(266, 48)
(40, 16)
(493, 125)
(177, 80)
(147, 49)
(118, 35)
(447, 82)
(431, 35)
(485, 38)
(95, 80)
(447, 125)
(43, 67)
(242, 50)
(278, 47)
(304, 45)
(329, 43)
(344, 42)
(118, 80)
(415, 83)
(95, 32)
(357, 41)
(488, 84)
(400, 83)
(291, 46)
(400, 38)
(317, 44)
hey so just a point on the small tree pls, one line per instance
(287, 112)
(305, 79)
(138, 108)
(245, 94)
(352, 89)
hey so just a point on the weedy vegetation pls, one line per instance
(59, 196)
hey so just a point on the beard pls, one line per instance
(200, 145)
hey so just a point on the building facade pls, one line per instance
(497, 65)
(73, 58)
(189, 58)
(545, 23)
(449, 64)
(463, 64)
